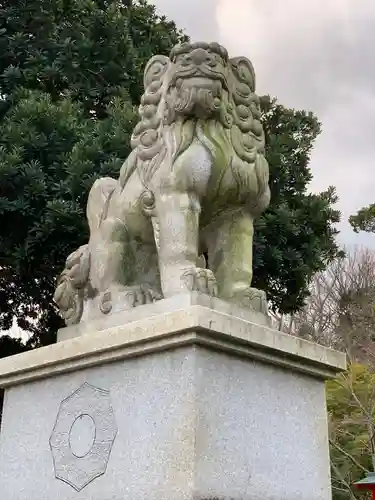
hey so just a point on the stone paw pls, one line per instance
(125, 298)
(201, 280)
(252, 298)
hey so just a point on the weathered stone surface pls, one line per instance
(206, 405)
(195, 180)
(196, 323)
(193, 422)
(179, 302)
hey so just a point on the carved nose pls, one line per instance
(198, 56)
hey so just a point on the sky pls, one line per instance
(317, 55)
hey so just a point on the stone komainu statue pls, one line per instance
(194, 182)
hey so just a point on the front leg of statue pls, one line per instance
(230, 244)
(178, 222)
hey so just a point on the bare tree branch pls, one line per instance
(348, 455)
(348, 488)
(340, 311)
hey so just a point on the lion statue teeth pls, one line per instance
(194, 182)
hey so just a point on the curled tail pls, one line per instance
(71, 285)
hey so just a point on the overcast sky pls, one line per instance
(316, 55)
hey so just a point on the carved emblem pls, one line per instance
(83, 435)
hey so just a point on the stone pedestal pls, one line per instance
(194, 403)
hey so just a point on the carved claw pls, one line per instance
(125, 298)
(200, 280)
(149, 295)
(253, 299)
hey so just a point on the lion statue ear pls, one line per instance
(243, 70)
(155, 70)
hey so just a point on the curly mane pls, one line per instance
(147, 138)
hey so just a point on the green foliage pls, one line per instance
(71, 76)
(351, 409)
(9, 346)
(295, 238)
(50, 154)
(364, 219)
(92, 49)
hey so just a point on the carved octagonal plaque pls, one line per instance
(83, 435)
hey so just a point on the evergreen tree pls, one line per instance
(364, 219)
(351, 412)
(295, 237)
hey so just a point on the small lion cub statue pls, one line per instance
(194, 182)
